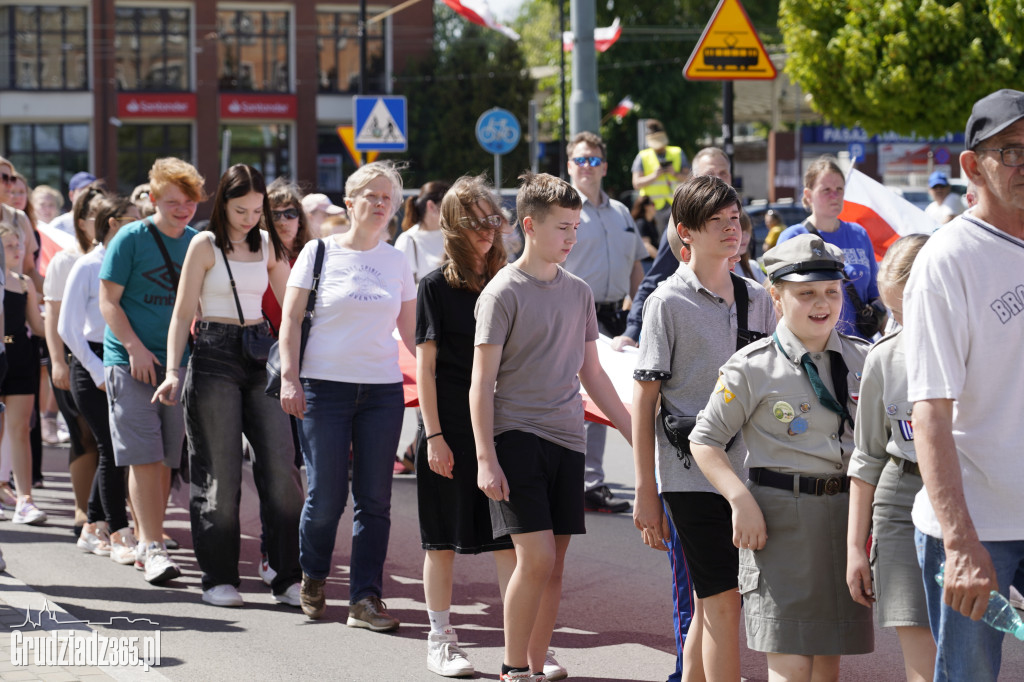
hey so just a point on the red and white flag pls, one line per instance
(884, 214)
(623, 107)
(51, 241)
(604, 37)
(478, 12)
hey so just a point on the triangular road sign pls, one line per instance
(729, 49)
(348, 136)
(380, 127)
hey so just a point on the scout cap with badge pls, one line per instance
(804, 258)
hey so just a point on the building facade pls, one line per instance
(111, 85)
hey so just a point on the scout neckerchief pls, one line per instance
(839, 372)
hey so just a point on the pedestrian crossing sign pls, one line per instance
(729, 49)
(380, 123)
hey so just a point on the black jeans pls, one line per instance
(224, 398)
(107, 499)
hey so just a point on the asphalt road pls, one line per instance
(614, 623)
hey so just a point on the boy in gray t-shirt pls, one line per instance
(536, 335)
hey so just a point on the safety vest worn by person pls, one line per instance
(660, 191)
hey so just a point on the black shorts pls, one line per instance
(545, 483)
(704, 524)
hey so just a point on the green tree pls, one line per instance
(646, 64)
(909, 66)
(470, 70)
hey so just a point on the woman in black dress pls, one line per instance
(454, 513)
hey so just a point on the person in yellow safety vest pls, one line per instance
(658, 169)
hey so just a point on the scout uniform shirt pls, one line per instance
(769, 396)
(883, 415)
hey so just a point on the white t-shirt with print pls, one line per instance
(963, 328)
(424, 249)
(357, 306)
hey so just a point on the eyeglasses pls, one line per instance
(491, 222)
(287, 214)
(592, 161)
(1010, 156)
(7, 179)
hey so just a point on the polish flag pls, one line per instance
(884, 214)
(623, 107)
(604, 37)
(51, 241)
(478, 12)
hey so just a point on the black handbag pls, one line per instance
(678, 427)
(274, 356)
(870, 316)
(256, 339)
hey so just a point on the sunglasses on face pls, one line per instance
(592, 161)
(491, 222)
(7, 179)
(287, 214)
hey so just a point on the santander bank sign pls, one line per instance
(257, 106)
(156, 105)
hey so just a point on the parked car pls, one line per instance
(789, 210)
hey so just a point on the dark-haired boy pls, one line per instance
(691, 324)
(535, 343)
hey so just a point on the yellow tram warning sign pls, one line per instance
(729, 48)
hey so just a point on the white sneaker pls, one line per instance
(98, 542)
(157, 565)
(553, 670)
(3, 564)
(123, 551)
(445, 657)
(292, 596)
(29, 513)
(222, 595)
(267, 574)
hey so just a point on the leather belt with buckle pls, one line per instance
(808, 485)
(905, 465)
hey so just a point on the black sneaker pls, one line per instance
(371, 613)
(600, 499)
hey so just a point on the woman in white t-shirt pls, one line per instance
(226, 271)
(423, 245)
(421, 240)
(348, 390)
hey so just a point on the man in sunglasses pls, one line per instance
(607, 256)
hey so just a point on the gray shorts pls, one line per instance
(142, 432)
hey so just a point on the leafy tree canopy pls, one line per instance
(470, 70)
(646, 64)
(909, 66)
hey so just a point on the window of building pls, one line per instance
(266, 148)
(43, 47)
(338, 52)
(151, 47)
(48, 153)
(138, 146)
(253, 51)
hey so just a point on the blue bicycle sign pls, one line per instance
(497, 131)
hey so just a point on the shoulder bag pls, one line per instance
(274, 356)
(255, 344)
(678, 427)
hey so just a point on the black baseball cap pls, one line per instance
(992, 114)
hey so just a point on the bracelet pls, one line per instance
(439, 433)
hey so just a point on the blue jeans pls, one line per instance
(224, 398)
(967, 649)
(368, 419)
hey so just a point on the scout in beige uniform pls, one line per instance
(884, 475)
(790, 517)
